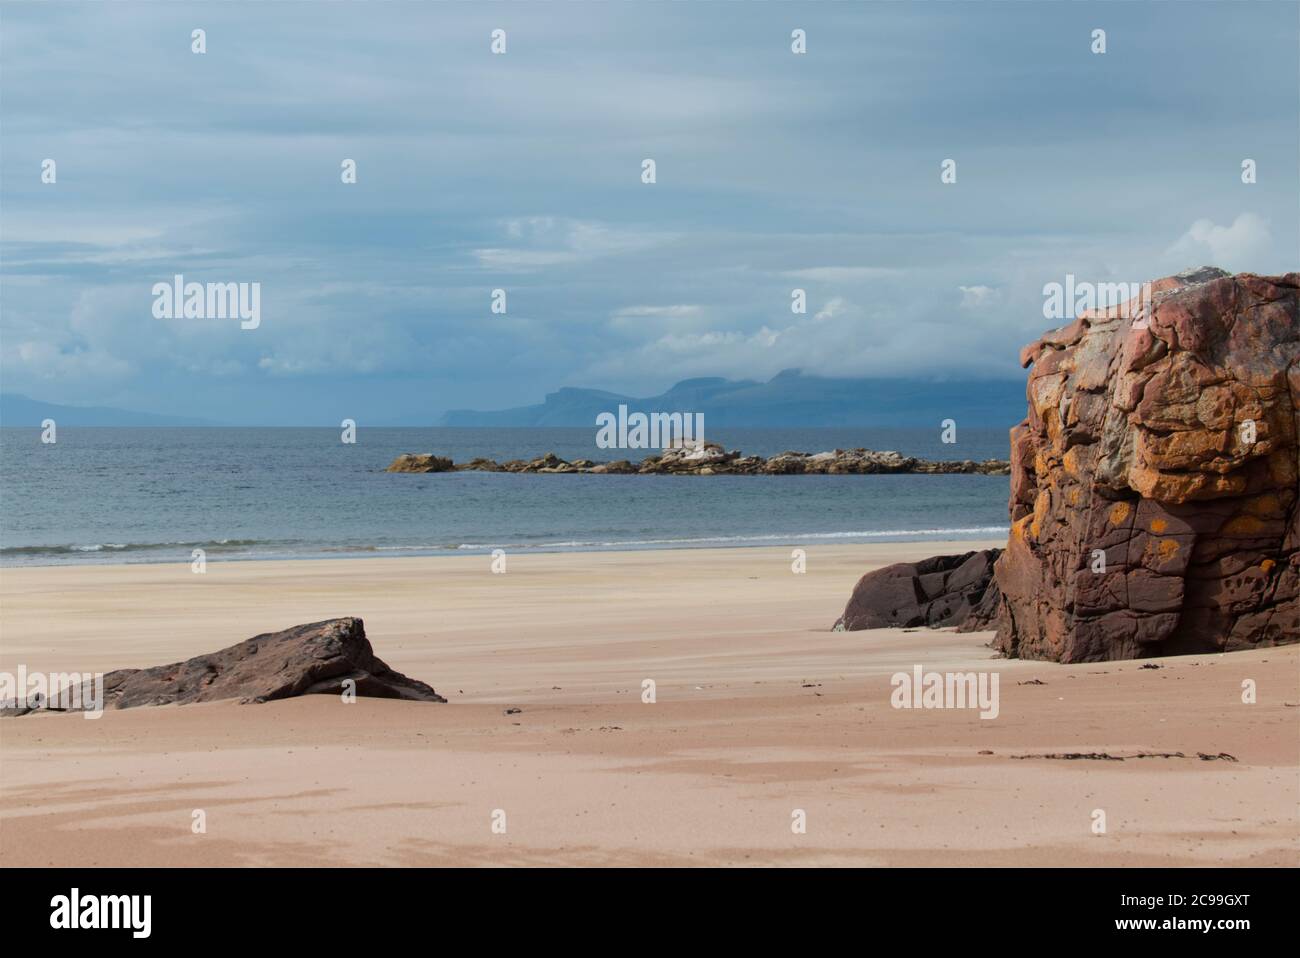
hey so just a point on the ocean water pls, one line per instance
(153, 494)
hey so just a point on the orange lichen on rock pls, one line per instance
(1242, 526)
(1173, 448)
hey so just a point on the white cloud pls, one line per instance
(975, 297)
(669, 312)
(523, 260)
(832, 309)
(543, 241)
(842, 338)
(843, 274)
(29, 363)
(1239, 247)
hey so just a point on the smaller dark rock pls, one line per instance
(934, 592)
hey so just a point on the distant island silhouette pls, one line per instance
(788, 399)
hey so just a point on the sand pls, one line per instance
(760, 710)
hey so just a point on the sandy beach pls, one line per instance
(761, 710)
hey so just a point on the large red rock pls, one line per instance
(1154, 482)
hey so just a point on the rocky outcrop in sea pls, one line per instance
(711, 459)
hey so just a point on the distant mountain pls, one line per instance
(18, 410)
(788, 399)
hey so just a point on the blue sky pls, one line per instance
(522, 171)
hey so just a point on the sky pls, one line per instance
(522, 171)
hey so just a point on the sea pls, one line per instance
(120, 495)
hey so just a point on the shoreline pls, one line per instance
(115, 555)
(145, 614)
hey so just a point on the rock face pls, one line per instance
(711, 459)
(934, 592)
(1154, 483)
(303, 660)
